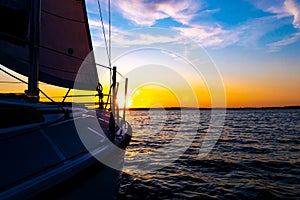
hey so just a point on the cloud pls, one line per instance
(146, 13)
(253, 30)
(214, 35)
(247, 34)
(145, 37)
(294, 10)
(274, 47)
(92, 7)
(209, 36)
(97, 33)
(96, 24)
(281, 8)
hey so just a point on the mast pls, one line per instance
(35, 54)
(114, 83)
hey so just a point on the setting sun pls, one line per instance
(148, 96)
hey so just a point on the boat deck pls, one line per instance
(36, 159)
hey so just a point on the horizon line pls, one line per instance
(201, 108)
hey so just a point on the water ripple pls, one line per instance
(256, 157)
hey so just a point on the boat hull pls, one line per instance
(42, 157)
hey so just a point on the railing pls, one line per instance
(111, 96)
(114, 104)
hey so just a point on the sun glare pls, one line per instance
(121, 101)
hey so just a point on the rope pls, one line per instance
(121, 74)
(109, 32)
(10, 82)
(46, 95)
(65, 95)
(6, 72)
(107, 46)
(10, 74)
(103, 66)
(103, 31)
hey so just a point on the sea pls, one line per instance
(219, 154)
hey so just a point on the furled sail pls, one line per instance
(64, 40)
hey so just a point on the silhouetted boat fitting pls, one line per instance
(40, 149)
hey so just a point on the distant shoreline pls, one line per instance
(241, 108)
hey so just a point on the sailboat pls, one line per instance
(40, 148)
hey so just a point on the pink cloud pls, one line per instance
(146, 13)
(274, 47)
(294, 10)
(210, 36)
(282, 8)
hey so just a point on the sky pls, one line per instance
(254, 44)
(253, 47)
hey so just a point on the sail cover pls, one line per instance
(64, 41)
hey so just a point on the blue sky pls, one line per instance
(254, 43)
(268, 25)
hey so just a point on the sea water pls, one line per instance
(256, 155)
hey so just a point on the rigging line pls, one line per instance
(103, 31)
(6, 72)
(11, 82)
(109, 33)
(109, 96)
(121, 74)
(10, 74)
(46, 95)
(79, 95)
(103, 66)
(66, 95)
(49, 98)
